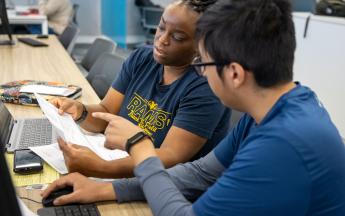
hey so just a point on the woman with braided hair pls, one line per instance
(161, 94)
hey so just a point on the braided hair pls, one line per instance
(198, 6)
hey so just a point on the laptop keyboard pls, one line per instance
(36, 132)
(74, 210)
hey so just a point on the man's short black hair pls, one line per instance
(258, 34)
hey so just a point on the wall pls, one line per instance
(320, 62)
(114, 20)
(89, 16)
(135, 33)
(121, 22)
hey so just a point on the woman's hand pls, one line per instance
(81, 159)
(67, 105)
(119, 130)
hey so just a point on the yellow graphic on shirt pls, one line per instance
(149, 116)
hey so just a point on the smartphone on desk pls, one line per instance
(27, 162)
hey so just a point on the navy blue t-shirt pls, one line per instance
(187, 103)
(292, 163)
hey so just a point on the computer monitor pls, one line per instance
(8, 199)
(303, 5)
(5, 25)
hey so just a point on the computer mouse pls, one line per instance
(48, 201)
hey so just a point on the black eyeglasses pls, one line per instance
(201, 66)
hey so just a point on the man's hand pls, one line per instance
(118, 131)
(84, 190)
(81, 159)
(67, 105)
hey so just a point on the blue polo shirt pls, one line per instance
(187, 103)
(292, 163)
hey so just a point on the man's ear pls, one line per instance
(235, 73)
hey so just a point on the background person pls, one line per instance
(59, 13)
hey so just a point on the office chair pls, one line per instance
(75, 12)
(98, 47)
(104, 72)
(68, 37)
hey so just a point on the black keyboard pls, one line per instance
(32, 42)
(71, 210)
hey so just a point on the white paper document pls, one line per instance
(64, 124)
(68, 130)
(54, 157)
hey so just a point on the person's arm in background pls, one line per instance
(50, 7)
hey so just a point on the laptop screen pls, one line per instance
(8, 200)
(6, 120)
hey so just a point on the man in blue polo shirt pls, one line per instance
(285, 157)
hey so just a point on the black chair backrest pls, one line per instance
(68, 37)
(75, 12)
(98, 47)
(104, 72)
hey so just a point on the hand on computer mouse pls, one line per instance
(84, 190)
(49, 200)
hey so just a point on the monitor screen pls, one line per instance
(5, 25)
(303, 5)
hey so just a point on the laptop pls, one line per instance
(23, 133)
(9, 204)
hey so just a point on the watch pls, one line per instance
(135, 139)
(83, 115)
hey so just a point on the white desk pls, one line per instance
(28, 19)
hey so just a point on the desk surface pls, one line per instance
(52, 63)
